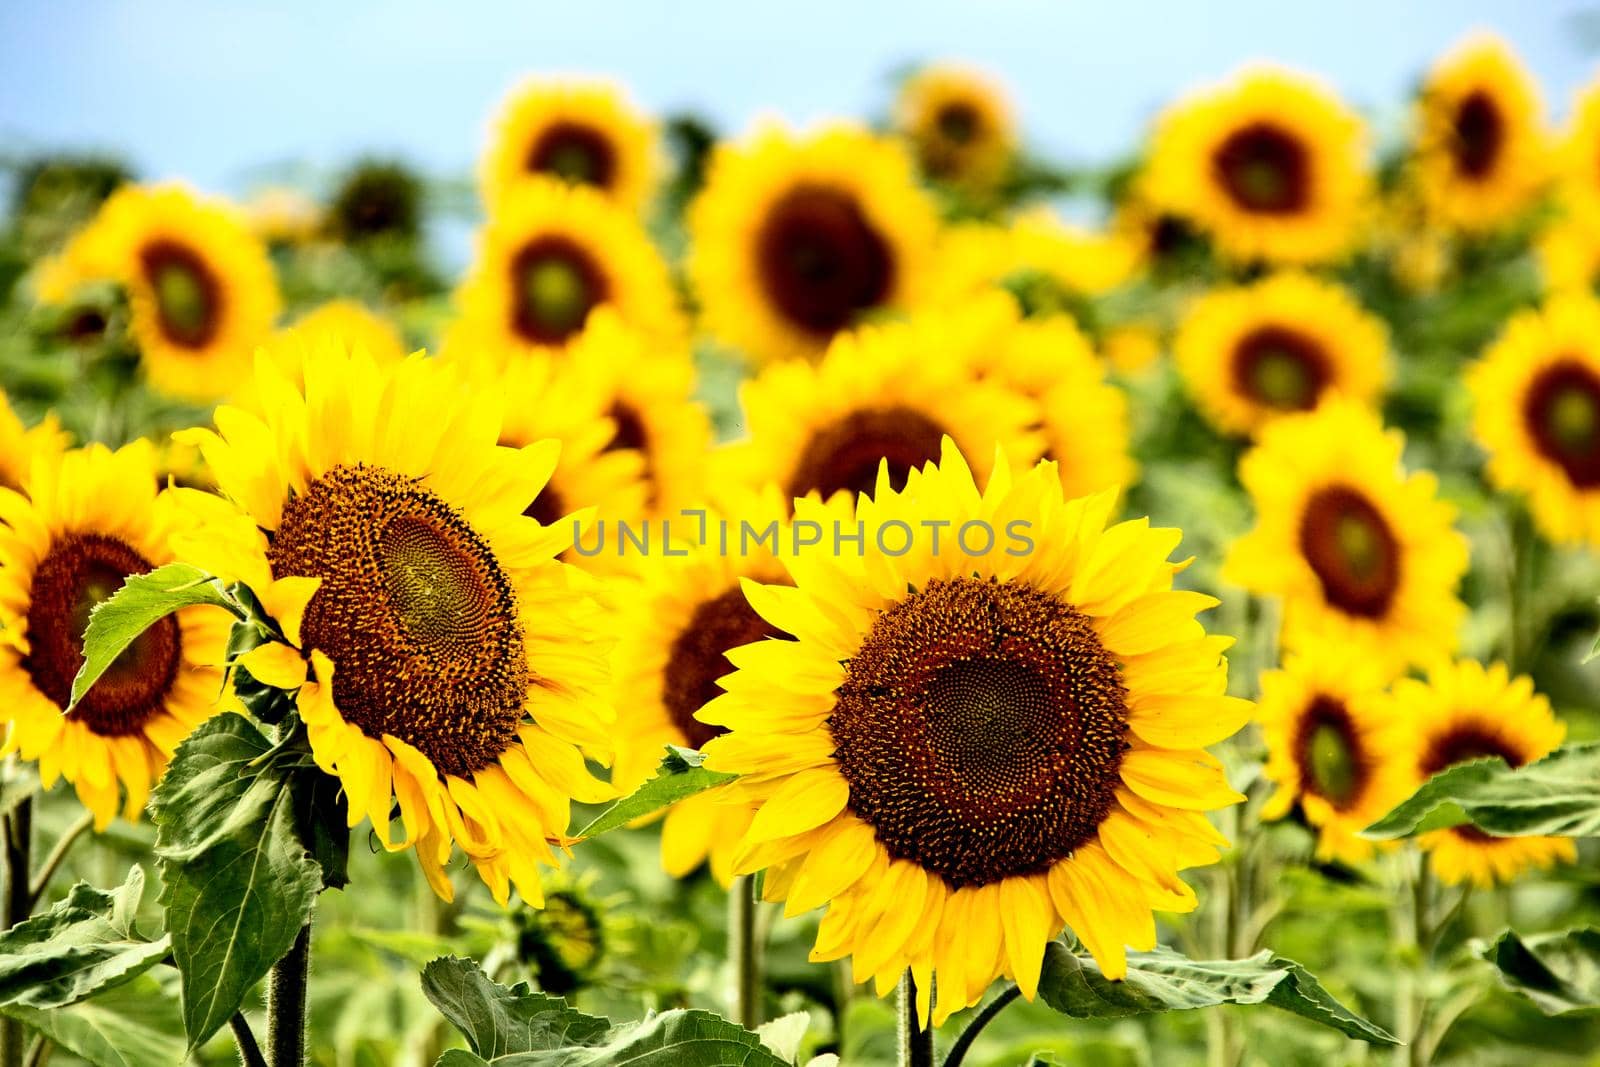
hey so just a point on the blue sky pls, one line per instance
(214, 91)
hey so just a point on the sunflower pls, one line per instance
(884, 393)
(1569, 256)
(794, 239)
(1481, 154)
(454, 665)
(282, 216)
(1537, 398)
(88, 519)
(1466, 711)
(552, 256)
(1579, 161)
(672, 636)
(1252, 352)
(585, 133)
(961, 751)
(19, 443)
(363, 327)
(1050, 262)
(1330, 748)
(1272, 166)
(202, 289)
(1363, 554)
(960, 124)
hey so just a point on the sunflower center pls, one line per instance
(698, 657)
(79, 572)
(958, 123)
(1351, 549)
(1562, 413)
(1265, 168)
(187, 295)
(1479, 130)
(820, 260)
(981, 727)
(1332, 762)
(555, 284)
(415, 612)
(1461, 744)
(575, 153)
(845, 454)
(1281, 368)
(633, 433)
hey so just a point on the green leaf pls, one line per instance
(1558, 796)
(520, 1028)
(784, 1034)
(1164, 980)
(1559, 972)
(85, 944)
(144, 599)
(681, 774)
(239, 882)
(135, 1025)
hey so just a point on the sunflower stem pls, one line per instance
(958, 1051)
(18, 906)
(249, 1051)
(1415, 934)
(286, 1004)
(916, 1043)
(41, 881)
(744, 951)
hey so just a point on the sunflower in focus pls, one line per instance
(959, 122)
(1330, 748)
(443, 661)
(545, 262)
(795, 238)
(201, 287)
(87, 519)
(1271, 165)
(1481, 151)
(1466, 711)
(882, 394)
(1050, 263)
(1537, 398)
(583, 133)
(19, 443)
(1363, 554)
(1252, 352)
(673, 634)
(960, 752)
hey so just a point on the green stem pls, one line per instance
(744, 950)
(249, 1052)
(916, 1044)
(1415, 934)
(958, 1051)
(58, 854)
(39, 1052)
(18, 906)
(286, 1004)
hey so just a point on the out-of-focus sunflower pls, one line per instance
(1250, 353)
(377, 200)
(1047, 261)
(89, 518)
(1363, 554)
(1466, 711)
(281, 215)
(201, 286)
(19, 444)
(1537, 399)
(545, 262)
(960, 124)
(1569, 256)
(673, 634)
(633, 440)
(1083, 417)
(455, 666)
(1330, 748)
(1579, 161)
(795, 238)
(1481, 147)
(582, 132)
(359, 325)
(1271, 165)
(958, 754)
(882, 393)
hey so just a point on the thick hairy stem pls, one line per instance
(744, 952)
(916, 1044)
(286, 1004)
(18, 906)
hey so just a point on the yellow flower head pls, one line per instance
(1035, 248)
(964, 749)
(960, 124)
(20, 443)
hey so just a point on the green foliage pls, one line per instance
(681, 774)
(519, 1028)
(1559, 972)
(240, 882)
(144, 599)
(133, 1025)
(86, 943)
(1556, 796)
(1163, 980)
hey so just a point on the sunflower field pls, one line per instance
(856, 593)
